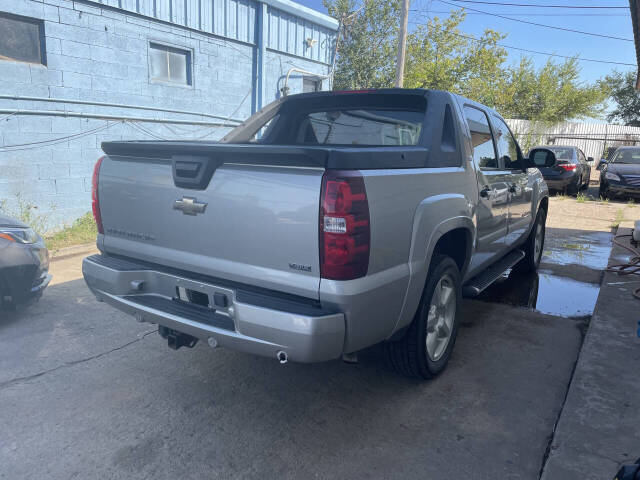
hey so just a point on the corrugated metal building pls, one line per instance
(74, 73)
(594, 139)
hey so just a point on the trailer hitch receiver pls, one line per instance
(176, 339)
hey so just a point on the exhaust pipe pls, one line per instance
(282, 357)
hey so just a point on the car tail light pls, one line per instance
(95, 199)
(569, 167)
(344, 226)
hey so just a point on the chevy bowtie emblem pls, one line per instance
(189, 206)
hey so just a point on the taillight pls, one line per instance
(569, 167)
(344, 226)
(95, 200)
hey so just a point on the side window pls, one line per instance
(581, 158)
(508, 150)
(481, 139)
(22, 39)
(169, 65)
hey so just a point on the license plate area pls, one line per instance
(194, 297)
(202, 295)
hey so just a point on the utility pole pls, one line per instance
(402, 43)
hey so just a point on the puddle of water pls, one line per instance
(590, 249)
(552, 293)
(544, 292)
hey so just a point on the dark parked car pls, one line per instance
(572, 171)
(620, 176)
(24, 263)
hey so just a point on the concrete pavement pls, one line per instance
(599, 429)
(86, 392)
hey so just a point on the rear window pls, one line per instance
(562, 153)
(363, 120)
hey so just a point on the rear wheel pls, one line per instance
(603, 192)
(426, 346)
(534, 245)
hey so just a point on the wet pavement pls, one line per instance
(568, 281)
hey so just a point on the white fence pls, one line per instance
(592, 138)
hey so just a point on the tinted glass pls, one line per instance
(631, 156)
(507, 145)
(169, 64)
(481, 139)
(360, 127)
(539, 158)
(21, 39)
(562, 153)
(362, 120)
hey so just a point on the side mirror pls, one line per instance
(542, 158)
(590, 159)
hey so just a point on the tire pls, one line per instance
(572, 190)
(421, 353)
(534, 245)
(603, 192)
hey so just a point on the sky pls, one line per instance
(609, 21)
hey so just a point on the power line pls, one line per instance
(538, 6)
(532, 14)
(537, 24)
(549, 54)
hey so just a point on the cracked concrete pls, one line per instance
(13, 381)
(139, 410)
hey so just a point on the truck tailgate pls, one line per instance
(258, 226)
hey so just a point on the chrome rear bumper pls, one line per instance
(250, 322)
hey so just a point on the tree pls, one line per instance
(367, 47)
(627, 99)
(441, 56)
(550, 94)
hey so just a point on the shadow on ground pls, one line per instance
(84, 394)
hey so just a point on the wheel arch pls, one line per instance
(454, 237)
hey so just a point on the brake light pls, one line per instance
(340, 92)
(344, 226)
(569, 167)
(95, 200)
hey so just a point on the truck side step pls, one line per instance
(477, 284)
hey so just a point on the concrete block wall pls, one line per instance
(100, 54)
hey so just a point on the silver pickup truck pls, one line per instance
(326, 223)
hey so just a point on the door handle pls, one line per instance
(485, 192)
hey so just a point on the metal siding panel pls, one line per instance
(146, 8)
(322, 45)
(242, 15)
(232, 19)
(192, 14)
(273, 29)
(299, 37)
(219, 16)
(178, 12)
(206, 15)
(291, 35)
(163, 10)
(129, 5)
(282, 33)
(251, 23)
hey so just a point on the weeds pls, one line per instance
(581, 197)
(82, 231)
(631, 202)
(27, 213)
(619, 218)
